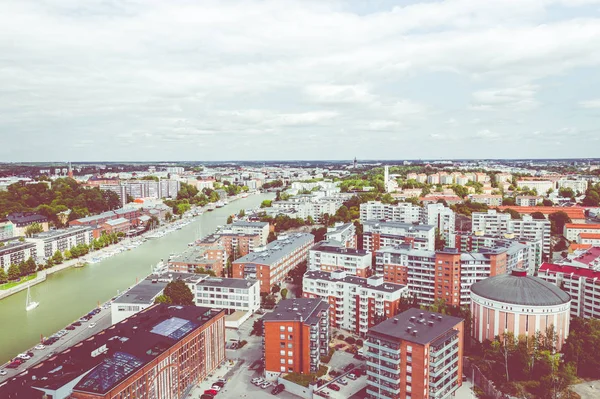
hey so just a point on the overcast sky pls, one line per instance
(210, 80)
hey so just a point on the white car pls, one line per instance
(265, 385)
(92, 325)
(257, 381)
(24, 356)
(342, 381)
(2, 372)
(216, 388)
(39, 347)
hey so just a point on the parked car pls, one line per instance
(76, 323)
(3, 372)
(279, 388)
(211, 392)
(219, 384)
(342, 381)
(24, 356)
(92, 325)
(70, 328)
(265, 385)
(40, 347)
(352, 376)
(334, 387)
(207, 396)
(222, 380)
(257, 381)
(216, 387)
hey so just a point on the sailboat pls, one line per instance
(30, 305)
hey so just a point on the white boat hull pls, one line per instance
(32, 306)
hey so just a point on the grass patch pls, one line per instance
(11, 284)
(300, 379)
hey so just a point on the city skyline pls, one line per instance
(177, 80)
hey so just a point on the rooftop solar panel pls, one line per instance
(110, 371)
(174, 328)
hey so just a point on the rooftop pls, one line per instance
(278, 249)
(23, 218)
(572, 212)
(399, 225)
(116, 222)
(306, 310)
(520, 289)
(550, 268)
(429, 326)
(51, 234)
(359, 281)
(328, 246)
(250, 224)
(112, 355)
(582, 226)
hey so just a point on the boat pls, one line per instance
(220, 204)
(29, 304)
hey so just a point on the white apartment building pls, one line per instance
(500, 224)
(330, 256)
(444, 219)
(355, 303)
(233, 294)
(572, 231)
(344, 233)
(315, 207)
(15, 252)
(446, 179)
(47, 243)
(503, 178)
(433, 179)
(251, 228)
(488, 199)
(541, 186)
(575, 185)
(403, 212)
(385, 234)
(527, 200)
(7, 229)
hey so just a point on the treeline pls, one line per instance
(64, 194)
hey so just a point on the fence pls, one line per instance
(479, 380)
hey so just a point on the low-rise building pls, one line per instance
(119, 225)
(331, 256)
(207, 257)
(49, 242)
(489, 200)
(589, 238)
(22, 220)
(527, 200)
(575, 213)
(572, 231)
(355, 303)
(271, 264)
(416, 354)
(296, 335)
(139, 357)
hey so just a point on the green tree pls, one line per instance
(257, 328)
(538, 216)
(275, 289)
(67, 254)
(241, 213)
(592, 198)
(179, 293)
(229, 219)
(558, 221)
(284, 293)
(57, 258)
(14, 272)
(266, 204)
(271, 237)
(168, 216)
(33, 229)
(201, 270)
(3, 276)
(566, 193)
(162, 299)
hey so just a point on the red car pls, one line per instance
(334, 387)
(211, 392)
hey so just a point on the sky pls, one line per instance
(135, 80)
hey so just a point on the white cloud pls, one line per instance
(512, 98)
(590, 103)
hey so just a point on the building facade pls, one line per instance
(327, 256)
(61, 240)
(377, 235)
(15, 252)
(344, 233)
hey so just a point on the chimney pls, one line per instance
(395, 320)
(414, 333)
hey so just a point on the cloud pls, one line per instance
(169, 75)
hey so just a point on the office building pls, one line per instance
(521, 304)
(355, 303)
(417, 354)
(160, 352)
(296, 335)
(388, 234)
(331, 256)
(271, 264)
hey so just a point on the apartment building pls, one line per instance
(205, 257)
(581, 283)
(403, 212)
(331, 256)
(573, 231)
(540, 186)
(447, 274)
(49, 242)
(236, 245)
(578, 186)
(137, 358)
(577, 214)
(503, 178)
(7, 229)
(22, 220)
(14, 252)
(417, 354)
(271, 264)
(304, 208)
(496, 224)
(589, 239)
(143, 189)
(231, 294)
(296, 335)
(488, 199)
(527, 200)
(355, 303)
(344, 233)
(443, 218)
(118, 225)
(388, 234)
(250, 228)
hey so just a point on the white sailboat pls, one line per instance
(29, 304)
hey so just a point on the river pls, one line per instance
(69, 294)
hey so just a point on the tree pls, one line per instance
(229, 219)
(538, 216)
(284, 293)
(14, 272)
(28, 267)
(3, 276)
(241, 213)
(168, 216)
(440, 243)
(57, 258)
(33, 229)
(257, 328)
(508, 201)
(67, 254)
(275, 289)
(547, 202)
(266, 204)
(271, 237)
(561, 245)
(162, 299)
(558, 221)
(201, 270)
(513, 214)
(179, 293)
(592, 198)
(566, 193)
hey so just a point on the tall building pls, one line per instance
(344, 233)
(377, 235)
(417, 354)
(521, 304)
(330, 256)
(244, 227)
(355, 303)
(296, 335)
(444, 219)
(404, 212)
(271, 264)
(160, 352)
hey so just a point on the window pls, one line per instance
(282, 369)
(290, 329)
(290, 361)
(290, 337)
(281, 328)
(290, 345)
(409, 348)
(282, 361)
(282, 336)
(290, 353)
(282, 352)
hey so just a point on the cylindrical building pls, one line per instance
(521, 304)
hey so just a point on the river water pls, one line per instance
(69, 294)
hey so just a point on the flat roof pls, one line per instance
(115, 222)
(362, 282)
(278, 249)
(328, 246)
(62, 232)
(400, 225)
(143, 292)
(300, 309)
(249, 224)
(397, 327)
(209, 281)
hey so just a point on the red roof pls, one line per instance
(589, 256)
(572, 212)
(582, 226)
(575, 246)
(594, 236)
(578, 271)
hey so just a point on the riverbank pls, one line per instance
(38, 278)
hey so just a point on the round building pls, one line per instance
(521, 304)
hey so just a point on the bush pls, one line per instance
(334, 373)
(359, 342)
(331, 352)
(350, 340)
(341, 337)
(322, 370)
(325, 359)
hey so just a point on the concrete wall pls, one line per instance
(299, 390)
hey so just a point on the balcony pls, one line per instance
(379, 385)
(384, 366)
(448, 375)
(388, 377)
(383, 347)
